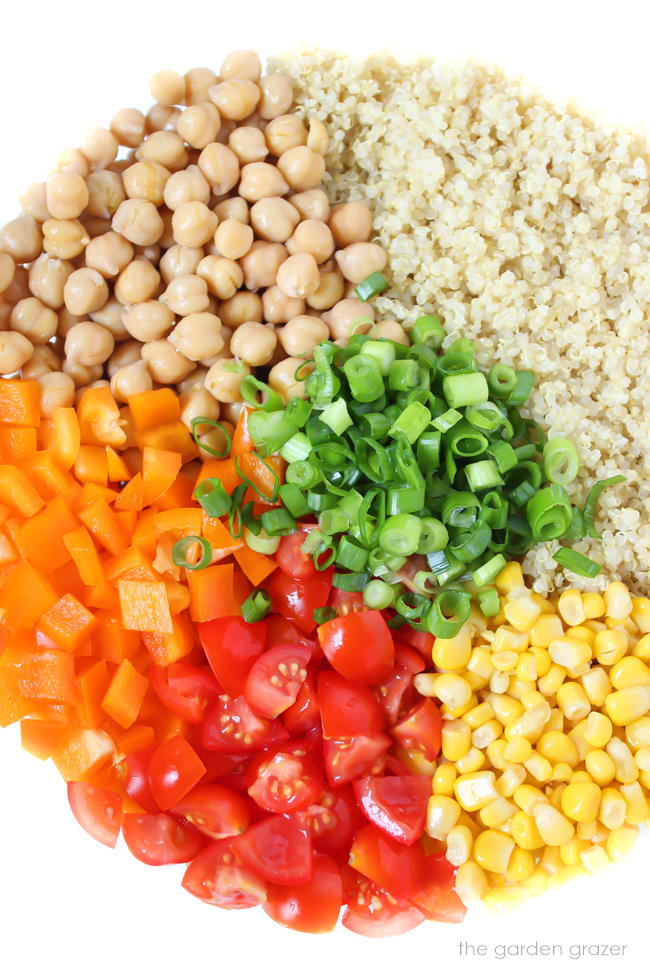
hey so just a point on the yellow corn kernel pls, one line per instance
(509, 578)
(573, 655)
(493, 849)
(472, 762)
(641, 648)
(613, 808)
(459, 844)
(554, 794)
(593, 605)
(452, 689)
(518, 749)
(506, 898)
(598, 729)
(627, 705)
(539, 767)
(609, 646)
(487, 734)
(479, 663)
(641, 613)
(495, 753)
(571, 608)
(547, 627)
(519, 689)
(557, 747)
(509, 781)
(629, 672)
(644, 779)
(479, 715)
(537, 883)
(543, 660)
(499, 682)
(425, 684)
(580, 633)
(618, 602)
(551, 860)
(636, 803)
(530, 725)
(442, 814)
(561, 772)
(526, 668)
(587, 831)
(638, 733)
(600, 767)
(553, 826)
(524, 831)
(619, 752)
(521, 866)
(572, 701)
(620, 841)
(581, 801)
(642, 758)
(527, 796)
(627, 627)
(552, 680)
(509, 640)
(581, 775)
(544, 604)
(570, 852)
(521, 612)
(564, 876)
(472, 824)
(597, 686)
(475, 790)
(453, 654)
(505, 708)
(497, 812)
(456, 739)
(443, 780)
(460, 712)
(505, 661)
(531, 698)
(555, 721)
(594, 859)
(471, 882)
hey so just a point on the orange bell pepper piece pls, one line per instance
(144, 606)
(111, 641)
(224, 470)
(153, 409)
(178, 596)
(7, 551)
(179, 521)
(49, 479)
(67, 624)
(93, 492)
(42, 738)
(91, 465)
(255, 565)
(160, 469)
(17, 492)
(25, 594)
(40, 540)
(135, 738)
(64, 439)
(179, 495)
(20, 403)
(167, 648)
(117, 468)
(131, 497)
(83, 752)
(84, 555)
(242, 442)
(174, 437)
(99, 418)
(92, 684)
(211, 593)
(103, 525)
(125, 694)
(17, 443)
(264, 474)
(222, 542)
(13, 704)
(131, 564)
(145, 534)
(41, 674)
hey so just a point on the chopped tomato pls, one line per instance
(184, 690)
(277, 850)
(346, 708)
(359, 646)
(303, 716)
(312, 907)
(397, 804)
(215, 810)
(331, 821)
(344, 603)
(293, 562)
(174, 769)
(231, 727)
(397, 691)
(347, 758)
(373, 912)
(398, 869)
(437, 897)
(98, 810)
(421, 641)
(296, 599)
(133, 772)
(275, 678)
(280, 630)
(286, 778)
(232, 646)
(161, 839)
(217, 876)
(421, 730)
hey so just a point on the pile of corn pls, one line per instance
(545, 762)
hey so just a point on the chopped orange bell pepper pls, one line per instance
(154, 409)
(131, 564)
(125, 694)
(17, 443)
(41, 538)
(17, 492)
(222, 542)
(13, 704)
(111, 641)
(117, 467)
(8, 552)
(91, 465)
(103, 525)
(160, 469)
(175, 437)
(179, 495)
(167, 648)
(20, 403)
(265, 474)
(49, 479)
(224, 470)
(93, 492)
(42, 674)
(42, 738)
(84, 555)
(255, 565)
(68, 623)
(92, 683)
(131, 497)
(211, 593)
(25, 594)
(66, 436)
(99, 418)
(179, 521)
(144, 606)
(242, 442)
(83, 752)
(135, 738)
(178, 596)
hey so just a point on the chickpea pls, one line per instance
(247, 142)
(85, 291)
(164, 363)
(166, 148)
(357, 261)
(110, 316)
(66, 195)
(233, 239)
(279, 308)
(259, 180)
(197, 336)
(167, 88)
(350, 223)
(125, 354)
(226, 334)
(193, 224)
(274, 219)
(244, 306)
(193, 381)
(241, 64)
(277, 95)
(285, 132)
(298, 276)
(318, 139)
(43, 361)
(99, 147)
(222, 277)
(32, 202)
(220, 166)
(199, 124)
(137, 282)
(235, 98)
(146, 181)
(105, 193)
(64, 239)
(311, 205)
(230, 412)
(282, 378)
(162, 118)
(131, 379)
(129, 127)
(109, 254)
(88, 344)
(81, 375)
(198, 81)
(234, 208)
(148, 321)
(178, 261)
(15, 351)
(389, 330)
(254, 343)
(72, 161)
(301, 167)
(186, 295)
(34, 320)
(330, 291)
(21, 239)
(57, 389)
(312, 237)
(138, 221)
(342, 319)
(262, 264)
(301, 335)
(66, 321)
(7, 271)
(224, 380)
(186, 186)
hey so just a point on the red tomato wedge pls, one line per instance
(346, 708)
(331, 821)
(296, 599)
(347, 758)
(421, 730)
(396, 804)
(161, 839)
(232, 646)
(437, 897)
(231, 727)
(280, 630)
(275, 678)
(174, 769)
(422, 642)
(286, 779)
(217, 876)
(359, 646)
(312, 907)
(293, 562)
(398, 869)
(98, 810)
(373, 912)
(397, 691)
(344, 603)
(277, 850)
(133, 773)
(215, 810)
(184, 690)
(303, 716)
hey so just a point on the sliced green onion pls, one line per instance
(445, 566)
(456, 364)
(261, 543)
(336, 416)
(462, 346)
(378, 594)
(488, 571)
(351, 556)
(374, 425)
(428, 330)
(576, 562)
(561, 461)
(591, 502)
(433, 536)
(494, 510)
(303, 474)
(206, 421)
(549, 513)
(297, 411)
(502, 380)
(412, 606)
(428, 450)
(465, 389)
(503, 455)
(460, 509)
(270, 431)
(351, 581)
(235, 515)
(277, 521)
(402, 498)
(294, 500)
(449, 611)
(273, 496)
(484, 416)
(183, 548)
(411, 423)
(523, 387)
(364, 377)
(323, 614)
(470, 544)
(400, 534)
(319, 499)
(488, 602)
(425, 583)
(213, 497)
(260, 395)
(447, 420)
(464, 440)
(371, 286)
(526, 451)
(383, 351)
(403, 375)
(333, 521)
(372, 515)
(296, 448)
(522, 494)
(256, 606)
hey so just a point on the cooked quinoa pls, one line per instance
(526, 226)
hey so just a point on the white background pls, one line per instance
(67, 904)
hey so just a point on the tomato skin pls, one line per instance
(174, 769)
(312, 907)
(347, 709)
(421, 730)
(185, 691)
(348, 758)
(396, 804)
(422, 642)
(275, 678)
(359, 646)
(345, 603)
(159, 839)
(99, 811)
(437, 897)
(133, 772)
(293, 562)
(397, 692)
(214, 810)
(398, 869)
(290, 767)
(217, 876)
(253, 732)
(331, 821)
(296, 599)
(232, 646)
(303, 716)
(276, 850)
(280, 630)
(371, 912)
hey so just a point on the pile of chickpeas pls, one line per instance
(187, 247)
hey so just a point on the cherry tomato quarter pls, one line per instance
(185, 691)
(286, 779)
(290, 558)
(421, 730)
(133, 773)
(174, 769)
(437, 897)
(312, 907)
(217, 876)
(215, 810)
(232, 646)
(359, 646)
(348, 758)
(97, 810)
(346, 708)
(277, 850)
(161, 839)
(374, 913)
(396, 804)
(398, 869)
(233, 728)
(296, 599)
(275, 679)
